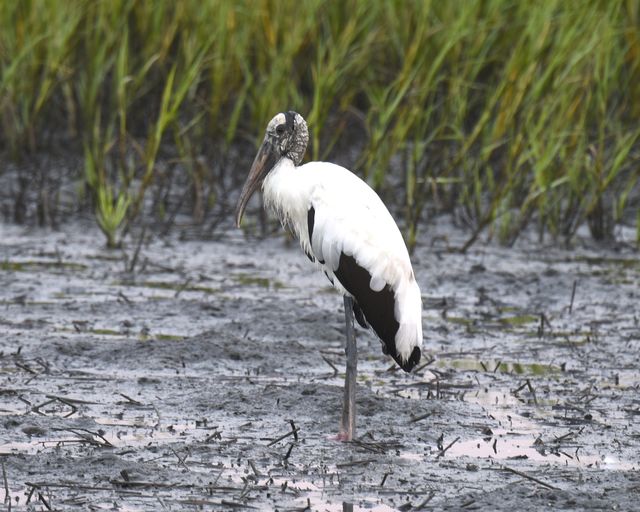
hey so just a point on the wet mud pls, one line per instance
(209, 377)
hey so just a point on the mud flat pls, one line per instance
(206, 375)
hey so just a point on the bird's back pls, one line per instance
(345, 227)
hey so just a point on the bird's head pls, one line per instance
(287, 136)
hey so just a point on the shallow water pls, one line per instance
(167, 388)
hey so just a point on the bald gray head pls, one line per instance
(286, 137)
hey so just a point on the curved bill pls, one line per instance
(262, 164)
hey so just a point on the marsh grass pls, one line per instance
(498, 111)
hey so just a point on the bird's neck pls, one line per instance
(286, 193)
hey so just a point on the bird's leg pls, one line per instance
(348, 423)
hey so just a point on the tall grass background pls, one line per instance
(501, 112)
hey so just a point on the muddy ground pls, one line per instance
(209, 378)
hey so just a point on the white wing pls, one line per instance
(350, 220)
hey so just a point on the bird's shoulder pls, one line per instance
(350, 216)
(341, 190)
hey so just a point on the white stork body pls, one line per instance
(344, 228)
(350, 219)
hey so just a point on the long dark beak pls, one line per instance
(262, 164)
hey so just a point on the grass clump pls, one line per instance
(499, 111)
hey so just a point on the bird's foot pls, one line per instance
(342, 436)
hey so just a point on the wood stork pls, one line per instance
(345, 229)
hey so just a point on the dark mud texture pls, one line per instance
(201, 375)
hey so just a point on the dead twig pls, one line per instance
(284, 436)
(26, 368)
(157, 425)
(444, 450)
(533, 392)
(423, 366)
(529, 477)
(479, 228)
(543, 321)
(419, 418)
(33, 488)
(24, 400)
(286, 455)
(294, 430)
(566, 437)
(335, 370)
(182, 288)
(74, 409)
(136, 253)
(92, 438)
(424, 503)
(573, 295)
(234, 504)
(37, 408)
(164, 507)
(126, 299)
(254, 468)
(149, 485)
(181, 460)
(526, 384)
(7, 496)
(130, 400)
(215, 435)
(352, 463)
(69, 401)
(520, 388)
(44, 501)
(373, 447)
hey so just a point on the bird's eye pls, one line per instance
(280, 129)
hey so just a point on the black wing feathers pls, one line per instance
(370, 308)
(378, 307)
(311, 218)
